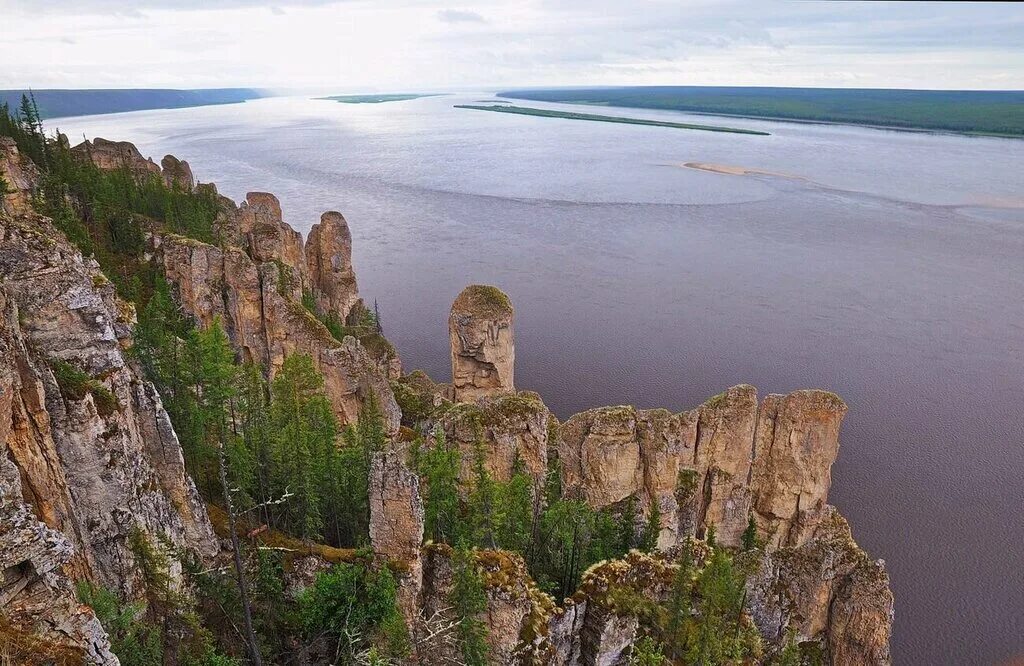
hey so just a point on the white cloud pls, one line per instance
(396, 44)
(459, 16)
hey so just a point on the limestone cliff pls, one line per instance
(272, 292)
(90, 461)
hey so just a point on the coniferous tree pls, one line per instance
(304, 434)
(652, 528)
(439, 467)
(749, 538)
(470, 602)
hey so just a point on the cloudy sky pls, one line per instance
(397, 45)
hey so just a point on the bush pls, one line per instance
(75, 385)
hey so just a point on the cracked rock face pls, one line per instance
(716, 465)
(482, 343)
(96, 464)
(256, 306)
(329, 260)
(396, 525)
(20, 175)
(828, 590)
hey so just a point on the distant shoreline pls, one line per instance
(568, 115)
(997, 114)
(375, 99)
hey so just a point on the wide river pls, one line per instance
(885, 266)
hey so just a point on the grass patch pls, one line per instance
(571, 115)
(75, 385)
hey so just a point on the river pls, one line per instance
(886, 266)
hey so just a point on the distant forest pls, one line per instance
(999, 113)
(62, 103)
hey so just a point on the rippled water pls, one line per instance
(886, 266)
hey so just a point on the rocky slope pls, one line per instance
(91, 460)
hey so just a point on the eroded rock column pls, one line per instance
(483, 348)
(329, 260)
(396, 525)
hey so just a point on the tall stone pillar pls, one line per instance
(482, 342)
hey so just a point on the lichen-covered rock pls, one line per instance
(329, 261)
(517, 616)
(828, 591)
(482, 343)
(111, 155)
(797, 442)
(20, 176)
(504, 429)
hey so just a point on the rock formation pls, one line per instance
(396, 524)
(19, 175)
(257, 305)
(329, 260)
(828, 590)
(482, 344)
(177, 172)
(95, 448)
(90, 460)
(507, 428)
(116, 155)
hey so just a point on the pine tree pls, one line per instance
(304, 429)
(514, 509)
(749, 538)
(470, 602)
(439, 467)
(652, 528)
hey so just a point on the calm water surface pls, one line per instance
(888, 267)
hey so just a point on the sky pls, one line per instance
(416, 45)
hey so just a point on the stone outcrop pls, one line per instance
(827, 590)
(516, 614)
(329, 261)
(112, 155)
(396, 525)
(702, 466)
(482, 344)
(177, 172)
(20, 176)
(509, 429)
(797, 441)
(256, 305)
(42, 619)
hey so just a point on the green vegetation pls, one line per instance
(356, 606)
(373, 99)
(75, 385)
(569, 115)
(469, 602)
(998, 113)
(62, 103)
(107, 213)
